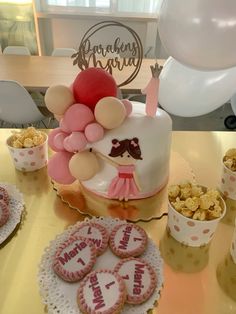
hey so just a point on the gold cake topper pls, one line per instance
(121, 53)
(156, 70)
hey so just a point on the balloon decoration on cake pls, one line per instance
(199, 76)
(89, 111)
(86, 111)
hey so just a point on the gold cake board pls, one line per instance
(87, 203)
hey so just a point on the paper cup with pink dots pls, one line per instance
(228, 175)
(190, 224)
(233, 245)
(29, 158)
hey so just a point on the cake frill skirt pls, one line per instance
(122, 188)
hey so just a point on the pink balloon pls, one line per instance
(128, 106)
(75, 142)
(58, 141)
(94, 132)
(58, 168)
(77, 117)
(51, 138)
(64, 126)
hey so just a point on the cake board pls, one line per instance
(154, 207)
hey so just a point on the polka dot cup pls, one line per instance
(29, 159)
(189, 231)
(228, 183)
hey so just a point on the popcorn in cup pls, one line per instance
(194, 213)
(228, 177)
(28, 149)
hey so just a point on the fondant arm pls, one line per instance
(136, 180)
(105, 158)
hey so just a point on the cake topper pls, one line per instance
(119, 54)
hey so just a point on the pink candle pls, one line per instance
(151, 91)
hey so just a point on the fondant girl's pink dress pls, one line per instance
(123, 185)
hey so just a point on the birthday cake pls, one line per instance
(116, 148)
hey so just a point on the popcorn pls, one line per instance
(174, 191)
(192, 203)
(230, 159)
(195, 201)
(27, 138)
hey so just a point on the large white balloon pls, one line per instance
(187, 92)
(199, 33)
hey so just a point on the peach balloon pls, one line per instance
(94, 132)
(84, 165)
(110, 112)
(58, 98)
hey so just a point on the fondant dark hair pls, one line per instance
(131, 146)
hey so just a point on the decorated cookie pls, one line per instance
(74, 259)
(140, 279)
(4, 195)
(4, 213)
(95, 233)
(101, 291)
(128, 240)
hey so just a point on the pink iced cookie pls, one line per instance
(140, 279)
(74, 259)
(95, 233)
(128, 240)
(4, 195)
(101, 291)
(4, 213)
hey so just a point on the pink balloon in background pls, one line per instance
(51, 138)
(58, 141)
(64, 126)
(128, 106)
(94, 132)
(77, 117)
(58, 168)
(75, 142)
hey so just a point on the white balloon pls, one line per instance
(199, 33)
(233, 103)
(187, 92)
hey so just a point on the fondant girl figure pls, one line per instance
(125, 154)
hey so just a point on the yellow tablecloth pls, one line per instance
(191, 285)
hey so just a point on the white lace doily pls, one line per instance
(60, 296)
(16, 205)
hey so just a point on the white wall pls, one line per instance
(62, 31)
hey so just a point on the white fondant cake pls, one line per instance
(151, 168)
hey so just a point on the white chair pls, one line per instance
(17, 106)
(16, 50)
(63, 52)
